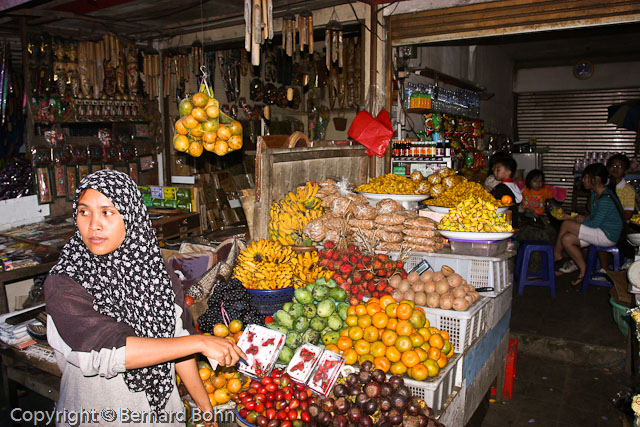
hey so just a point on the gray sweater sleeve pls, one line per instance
(93, 342)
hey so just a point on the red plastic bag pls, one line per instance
(373, 133)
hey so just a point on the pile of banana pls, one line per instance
(475, 215)
(307, 269)
(265, 264)
(289, 215)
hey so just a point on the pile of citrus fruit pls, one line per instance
(224, 382)
(395, 337)
(199, 127)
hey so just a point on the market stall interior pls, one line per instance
(317, 177)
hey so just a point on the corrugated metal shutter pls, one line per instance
(570, 124)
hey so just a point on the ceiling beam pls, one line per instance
(59, 15)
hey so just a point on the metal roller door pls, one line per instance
(570, 124)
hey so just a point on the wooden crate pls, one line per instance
(280, 170)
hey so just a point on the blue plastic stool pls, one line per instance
(593, 265)
(546, 278)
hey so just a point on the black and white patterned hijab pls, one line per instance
(129, 284)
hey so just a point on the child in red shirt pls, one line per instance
(535, 194)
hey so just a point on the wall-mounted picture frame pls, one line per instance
(83, 170)
(72, 181)
(95, 167)
(133, 171)
(141, 130)
(60, 179)
(108, 166)
(44, 189)
(147, 162)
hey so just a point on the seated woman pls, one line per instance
(602, 227)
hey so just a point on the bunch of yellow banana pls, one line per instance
(307, 269)
(265, 264)
(289, 215)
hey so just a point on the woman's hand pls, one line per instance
(225, 351)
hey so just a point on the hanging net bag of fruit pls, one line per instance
(202, 126)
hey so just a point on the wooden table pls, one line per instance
(37, 375)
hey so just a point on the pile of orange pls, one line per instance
(199, 128)
(225, 382)
(396, 337)
(222, 384)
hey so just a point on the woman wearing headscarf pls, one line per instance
(116, 319)
(602, 227)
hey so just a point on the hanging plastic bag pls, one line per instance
(373, 133)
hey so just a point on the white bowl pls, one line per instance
(634, 239)
(408, 201)
(470, 235)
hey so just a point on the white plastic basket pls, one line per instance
(481, 272)
(463, 326)
(435, 391)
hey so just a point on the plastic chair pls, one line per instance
(525, 278)
(593, 265)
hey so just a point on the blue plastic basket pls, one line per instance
(269, 301)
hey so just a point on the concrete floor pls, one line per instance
(570, 363)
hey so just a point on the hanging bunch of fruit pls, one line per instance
(289, 216)
(265, 264)
(202, 126)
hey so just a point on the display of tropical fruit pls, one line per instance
(265, 264)
(315, 315)
(287, 217)
(202, 126)
(475, 215)
(307, 269)
(444, 289)
(461, 191)
(360, 274)
(221, 384)
(396, 337)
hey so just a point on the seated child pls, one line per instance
(535, 195)
(503, 170)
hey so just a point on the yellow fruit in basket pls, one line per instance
(181, 143)
(236, 127)
(196, 149)
(220, 147)
(200, 99)
(180, 128)
(235, 326)
(209, 146)
(205, 374)
(218, 381)
(222, 395)
(199, 114)
(197, 131)
(210, 125)
(212, 400)
(234, 385)
(235, 142)
(224, 132)
(189, 121)
(185, 107)
(212, 111)
(220, 330)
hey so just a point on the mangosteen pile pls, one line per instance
(368, 398)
